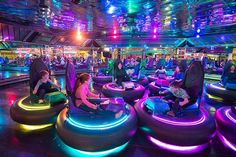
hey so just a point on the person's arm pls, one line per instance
(83, 97)
(37, 87)
(55, 85)
(182, 103)
(90, 94)
(164, 92)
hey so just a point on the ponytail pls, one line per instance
(80, 80)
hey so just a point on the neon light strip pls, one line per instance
(215, 98)
(214, 86)
(186, 123)
(32, 108)
(76, 152)
(34, 127)
(226, 142)
(175, 148)
(98, 127)
(229, 116)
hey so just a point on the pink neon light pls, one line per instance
(186, 123)
(155, 30)
(114, 36)
(175, 148)
(115, 31)
(155, 36)
(229, 116)
(226, 142)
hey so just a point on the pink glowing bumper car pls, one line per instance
(99, 81)
(128, 92)
(188, 133)
(225, 118)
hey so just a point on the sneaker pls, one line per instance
(41, 101)
(119, 114)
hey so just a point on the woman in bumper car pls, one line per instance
(82, 93)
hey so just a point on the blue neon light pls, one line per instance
(97, 127)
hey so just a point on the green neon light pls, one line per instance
(98, 127)
(32, 108)
(79, 153)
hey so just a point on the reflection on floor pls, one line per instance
(16, 142)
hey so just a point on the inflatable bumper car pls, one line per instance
(129, 94)
(99, 81)
(88, 133)
(142, 81)
(189, 131)
(218, 92)
(225, 118)
(26, 111)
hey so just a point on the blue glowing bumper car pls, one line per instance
(129, 92)
(225, 118)
(190, 130)
(225, 92)
(90, 133)
(99, 81)
(27, 111)
(94, 133)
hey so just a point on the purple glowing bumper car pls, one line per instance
(225, 118)
(191, 129)
(99, 81)
(91, 133)
(142, 81)
(218, 93)
(187, 133)
(129, 94)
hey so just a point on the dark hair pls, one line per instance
(81, 79)
(175, 84)
(43, 73)
(119, 62)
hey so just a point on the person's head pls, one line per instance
(44, 75)
(232, 68)
(119, 65)
(177, 69)
(175, 85)
(83, 78)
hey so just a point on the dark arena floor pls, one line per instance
(20, 141)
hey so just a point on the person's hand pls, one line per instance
(34, 92)
(94, 107)
(181, 103)
(105, 102)
(161, 92)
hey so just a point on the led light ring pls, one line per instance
(119, 122)
(80, 153)
(202, 119)
(127, 95)
(178, 149)
(219, 90)
(226, 142)
(102, 79)
(226, 124)
(31, 108)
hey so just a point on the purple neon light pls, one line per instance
(229, 116)
(183, 123)
(226, 142)
(175, 148)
